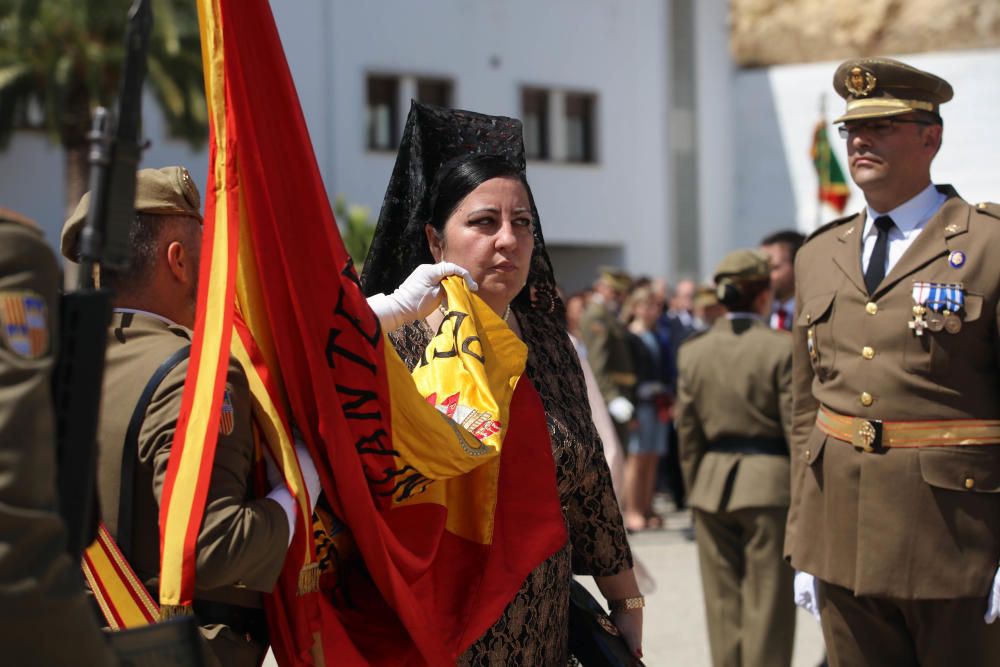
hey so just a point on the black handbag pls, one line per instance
(593, 639)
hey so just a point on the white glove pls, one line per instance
(993, 601)
(807, 593)
(621, 409)
(279, 491)
(419, 294)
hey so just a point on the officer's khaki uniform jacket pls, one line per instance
(734, 380)
(905, 523)
(242, 543)
(44, 617)
(608, 352)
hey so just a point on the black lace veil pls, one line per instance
(435, 136)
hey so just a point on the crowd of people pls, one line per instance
(628, 331)
(849, 466)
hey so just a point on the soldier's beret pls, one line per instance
(616, 278)
(168, 191)
(743, 266)
(883, 87)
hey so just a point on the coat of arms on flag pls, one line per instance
(227, 418)
(24, 323)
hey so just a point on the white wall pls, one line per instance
(779, 107)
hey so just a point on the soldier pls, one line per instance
(781, 247)
(896, 463)
(40, 586)
(608, 349)
(734, 412)
(242, 543)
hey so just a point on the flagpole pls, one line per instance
(824, 169)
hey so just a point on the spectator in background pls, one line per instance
(648, 442)
(576, 304)
(613, 450)
(608, 349)
(781, 248)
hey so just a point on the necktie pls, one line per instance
(781, 318)
(876, 264)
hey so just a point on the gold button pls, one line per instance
(969, 482)
(871, 307)
(808, 453)
(866, 399)
(809, 318)
(868, 352)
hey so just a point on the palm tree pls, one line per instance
(60, 59)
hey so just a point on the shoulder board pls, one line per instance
(831, 225)
(989, 208)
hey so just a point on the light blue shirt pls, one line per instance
(910, 218)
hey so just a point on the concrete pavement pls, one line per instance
(674, 630)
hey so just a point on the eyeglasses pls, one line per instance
(881, 127)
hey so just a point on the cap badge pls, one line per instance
(24, 325)
(190, 191)
(860, 82)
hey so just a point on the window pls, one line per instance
(579, 127)
(435, 91)
(535, 116)
(383, 113)
(559, 125)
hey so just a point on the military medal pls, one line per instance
(918, 324)
(937, 305)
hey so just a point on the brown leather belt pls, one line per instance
(873, 434)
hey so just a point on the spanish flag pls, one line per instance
(439, 493)
(832, 184)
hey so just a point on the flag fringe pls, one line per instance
(309, 579)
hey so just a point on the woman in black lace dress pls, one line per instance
(458, 194)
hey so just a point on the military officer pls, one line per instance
(608, 348)
(40, 587)
(242, 543)
(896, 440)
(734, 413)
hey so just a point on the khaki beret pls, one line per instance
(882, 87)
(167, 191)
(615, 278)
(743, 266)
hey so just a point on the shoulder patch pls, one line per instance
(830, 225)
(24, 323)
(989, 208)
(227, 420)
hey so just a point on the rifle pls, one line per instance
(85, 313)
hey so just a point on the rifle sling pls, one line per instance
(130, 450)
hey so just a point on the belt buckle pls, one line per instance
(866, 434)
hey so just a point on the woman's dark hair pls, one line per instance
(457, 178)
(738, 297)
